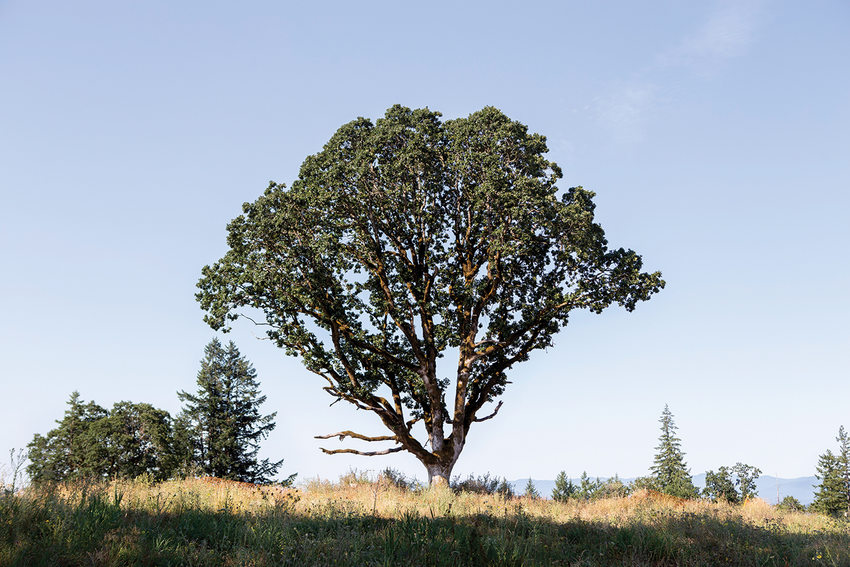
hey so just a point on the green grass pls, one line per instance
(197, 523)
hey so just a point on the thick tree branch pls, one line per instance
(343, 434)
(363, 453)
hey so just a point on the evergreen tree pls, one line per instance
(588, 487)
(68, 451)
(136, 439)
(829, 497)
(669, 468)
(224, 425)
(564, 488)
(833, 493)
(93, 443)
(531, 491)
(844, 466)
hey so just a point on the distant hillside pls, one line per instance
(801, 488)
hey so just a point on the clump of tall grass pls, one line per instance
(363, 520)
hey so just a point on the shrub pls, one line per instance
(791, 504)
(644, 483)
(612, 488)
(483, 485)
(398, 479)
(354, 478)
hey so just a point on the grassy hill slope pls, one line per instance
(210, 522)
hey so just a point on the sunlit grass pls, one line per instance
(355, 522)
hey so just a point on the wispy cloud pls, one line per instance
(625, 111)
(726, 33)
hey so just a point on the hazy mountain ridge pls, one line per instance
(801, 488)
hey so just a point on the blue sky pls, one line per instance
(716, 135)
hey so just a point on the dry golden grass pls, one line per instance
(357, 522)
(384, 500)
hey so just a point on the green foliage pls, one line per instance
(410, 236)
(90, 443)
(223, 420)
(745, 480)
(484, 484)
(791, 504)
(644, 483)
(669, 469)
(829, 497)
(564, 488)
(531, 490)
(66, 450)
(844, 465)
(720, 486)
(137, 439)
(833, 493)
(591, 489)
(612, 488)
(587, 487)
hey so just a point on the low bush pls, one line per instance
(484, 484)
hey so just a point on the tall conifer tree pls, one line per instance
(224, 423)
(833, 493)
(669, 469)
(828, 496)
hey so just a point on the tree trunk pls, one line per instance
(439, 474)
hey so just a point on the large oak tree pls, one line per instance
(408, 237)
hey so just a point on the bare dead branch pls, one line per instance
(343, 434)
(492, 415)
(363, 453)
(257, 323)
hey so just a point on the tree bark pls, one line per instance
(439, 474)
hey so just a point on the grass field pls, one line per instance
(353, 522)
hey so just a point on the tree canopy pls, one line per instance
(720, 485)
(92, 443)
(405, 238)
(217, 433)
